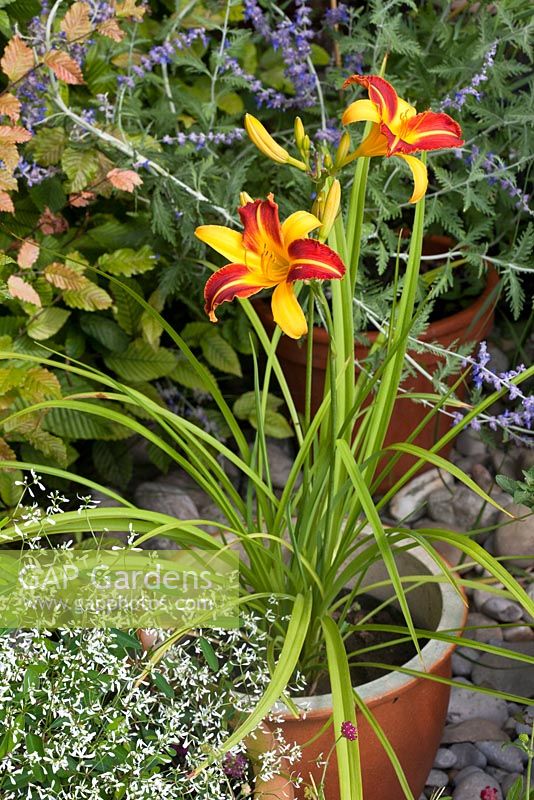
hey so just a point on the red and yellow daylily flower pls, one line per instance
(265, 255)
(398, 130)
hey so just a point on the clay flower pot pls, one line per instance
(472, 324)
(410, 710)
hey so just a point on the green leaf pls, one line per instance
(74, 342)
(245, 405)
(185, 375)
(47, 323)
(5, 24)
(105, 331)
(319, 56)
(32, 677)
(125, 640)
(10, 493)
(113, 462)
(47, 146)
(162, 684)
(230, 103)
(127, 310)
(140, 362)
(194, 332)
(220, 354)
(90, 297)
(209, 654)
(49, 194)
(80, 166)
(34, 744)
(72, 424)
(128, 261)
(274, 425)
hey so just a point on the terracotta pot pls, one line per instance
(472, 324)
(411, 711)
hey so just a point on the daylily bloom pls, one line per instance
(269, 254)
(398, 129)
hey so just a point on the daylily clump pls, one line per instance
(398, 130)
(266, 255)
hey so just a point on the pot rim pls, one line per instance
(434, 653)
(459, 321)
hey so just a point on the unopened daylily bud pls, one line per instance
(318, 205)
(263, 140)
(331, 209)
(245, 198)
(342, 151)
(328, 161)
(299, 133)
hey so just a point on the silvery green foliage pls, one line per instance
(77, 727)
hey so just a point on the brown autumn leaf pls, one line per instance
(9, 155)
(111, 29)
(6, 203)
(124, 179)
(13, 134)
(76, 23)
(63, 277)
(81, 199)
(17, 59)
(50, 223)
(6, 453)
(128, 8)
(8, 182)
(20, 290)
(28, 254)
(10, 106)
(64, 67)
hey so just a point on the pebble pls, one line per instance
(445, 758)
(507, 758)
(504, 674)
(280, 462)
(461, 666)
(471, 511)
(440, 509)
(497, 773)
(409, 503)
(516, 537)
(499, 361)
(471, 786)
(464, 773)
(469, 443)
(473, 730)
(519, 633)
(467, 755)
(465, 704)
(493, 633)
(166, 498)
(437, 777)
(502, 609)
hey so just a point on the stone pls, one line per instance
(466, 704)
(508, 463)
(445, 759)
(472, 730)
(508, 758)
(471, 511)
(501, 609)
(280, 462)
(467, 755)
(469, 443)
(451, 554)
(497, 773)
(516, 537)
(437, 778)
(168, 499)
(489, 632)
(439, 505)
(409, 504)
(459, 776)
(505, 674)
(482, 477)
(499, 361)
(519, 633)
(471, 786)
(461, 666)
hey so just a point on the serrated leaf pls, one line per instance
(114, 462)
(40, 384)
(5, 25)
(31, 428)
(128, 261)
(6, 453)
(6, 203)
(220, 354)
(28, 254)
(80, 166)
(10, 493)
(20, 290)
(10, 377)
(72, 424)
(140, 362)
(47, 146)
(76, 23)
(124, 179)
(63, 277)
(47, 323)
(111, 29)
(245, 405)
(151, 330)
(105, 331)
(90, 297)
(231, 103)
(10, 106)
(274, 424)
(185, 375)
(194, 332)
(127, 310)
(17, 59)
(64, 67)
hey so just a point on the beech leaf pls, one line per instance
(20, 290)
(111, 29)
(17, 59)
(125, 179)
(10, 106)
(128, 8)
(81, 199)
(6, 203)
(64, 67)
(76, 23)
(63, 277)
(28, 254)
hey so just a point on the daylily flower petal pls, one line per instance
(228, 243)
(381, 93)
(234, 280)
(420, 176)
(312, 260)
(375, 144)
(286, 311)
(297, 225)
(361, 111)
(426, 131)
(262, 227)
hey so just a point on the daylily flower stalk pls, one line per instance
(269, 255)
(263, 140)
(398, 130)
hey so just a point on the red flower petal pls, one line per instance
(262, 226)
(233, 280)
(380, 92)
(426, 131)
(311, 260)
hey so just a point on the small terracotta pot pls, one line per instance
(472, 324)
(410, 710)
